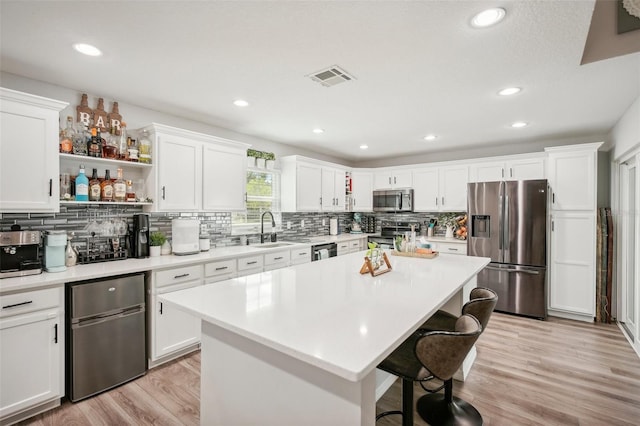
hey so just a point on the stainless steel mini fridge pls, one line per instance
(508, 223)
(106, 334)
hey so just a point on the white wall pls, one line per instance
(625, 135)
(137, 117)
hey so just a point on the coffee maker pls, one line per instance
(140, 236)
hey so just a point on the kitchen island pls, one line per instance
(300, 345)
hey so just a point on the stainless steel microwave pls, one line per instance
(393, 200)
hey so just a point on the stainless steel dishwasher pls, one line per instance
(106, 344)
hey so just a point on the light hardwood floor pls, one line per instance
(528, 372)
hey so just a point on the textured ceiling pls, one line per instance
(419, 67)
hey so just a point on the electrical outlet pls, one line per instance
(289, 224)
(302, 223)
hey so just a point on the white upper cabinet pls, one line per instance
(389, 178)
(440, 189)
(29, 165)
(333, 189)
(224, 173)
(196, 172)
(179, 174)
(361, 191)
(572, 176)
(311, 185)
(509, 169)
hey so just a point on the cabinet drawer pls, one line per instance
(343, 248)
(178, 275)
(30, 301)
(280, 257)
(253, 262)
(355, 245)
(223, 267)
(301, 255)
(452, 248)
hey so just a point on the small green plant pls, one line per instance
(269, 156)
(157, 238)
(253, 153)
(449, 220)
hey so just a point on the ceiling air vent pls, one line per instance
(331, 76)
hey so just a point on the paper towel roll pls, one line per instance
(323, 254)
(333, 226)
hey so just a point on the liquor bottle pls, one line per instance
(115, 118)
(132, 148)
(94, 146)
(144, 146)
(82, 185)
(119, 188)
(123, 153)
(106, 187)
(94, 187)
(100, 116)
(110, 147)
(84, 114)
(130, 196)
(66, 137)
(80, 140)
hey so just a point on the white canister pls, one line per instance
(205, 243)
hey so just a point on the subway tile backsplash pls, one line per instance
(217, 225)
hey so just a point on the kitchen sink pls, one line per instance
(272, 245)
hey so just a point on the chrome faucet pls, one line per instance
(272, 237)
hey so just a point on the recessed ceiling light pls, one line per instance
(364, 146)
(87, 49)
(430, 137)
(519, 124)
(488, 17)
(318, 131)
(240, 103)
(509, 91)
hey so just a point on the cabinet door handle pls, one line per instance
(436, 201)
(503, 173)
(389, 180)
(245, 197)
(303, 254)
(452, 249)
(17, 304)
(395, 180)
(443, 201)
(180, 276)
(50, 187)
(277, 258)
(221, 268)
(163, 188)
(320, 200)
(553, 198)
(160, 308)
(552, 227)
(510, 171)
(55, 335)
(252, 263)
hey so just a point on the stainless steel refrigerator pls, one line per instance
(508, 223)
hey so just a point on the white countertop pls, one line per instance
(320, 311)
(118, 267)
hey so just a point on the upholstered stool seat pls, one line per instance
(428, 355)
(481, 303)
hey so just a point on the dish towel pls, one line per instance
(323, 254)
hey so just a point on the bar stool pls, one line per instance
(481, 303)
(427, 356)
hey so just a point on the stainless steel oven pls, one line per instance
(390, 230)
(323, 251)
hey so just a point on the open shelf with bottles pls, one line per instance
(137, 172)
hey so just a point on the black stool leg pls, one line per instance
(407, 405)
(447, 410)
(407, 402)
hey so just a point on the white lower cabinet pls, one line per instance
(220, 270)
(173, 332)
(250, 265)
(572, 264)
(301, 255)
(277, 260)
(31, 353)
(449, 247)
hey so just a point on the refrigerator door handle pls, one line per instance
(505, 232)
(524, 271)
(500, 230)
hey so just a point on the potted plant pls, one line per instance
(261, 160)
(156, 240)
(449, 221)
(252, 155)
(270, 158)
